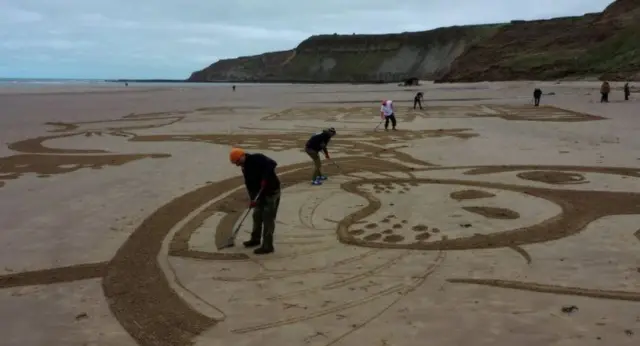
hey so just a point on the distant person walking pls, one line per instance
(417, 100)
(386, 112)
(537, 94)
(234, 88)
(604, 91)
(627, 92)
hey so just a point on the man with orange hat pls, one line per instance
(263, 186)
(386, 112)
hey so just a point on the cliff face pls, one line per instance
(354, 58)
(249, 68)
(605, 45)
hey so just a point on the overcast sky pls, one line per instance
(172, 38)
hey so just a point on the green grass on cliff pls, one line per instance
(539, 59)
(621, 52)
(618, 53)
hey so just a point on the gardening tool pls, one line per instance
(232, 239)
(380, 123)
(337, 166)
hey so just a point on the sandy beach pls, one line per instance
(482, 221)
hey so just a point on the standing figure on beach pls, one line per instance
(386, 112)
(537, 94)
(627, 92)
(604, 91)
(234, 88)
(263, 186)
(318, 142)
(417, 100)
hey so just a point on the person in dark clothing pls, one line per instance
(417, 100)
(537, 94)
(318, 142)
(604, 91)
(260, 177)
(627, 92)
(234, 88)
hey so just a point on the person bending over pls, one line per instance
(317, 143)
(417, 100)
(386, 112)
(263, 186)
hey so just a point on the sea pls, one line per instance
(42, 82)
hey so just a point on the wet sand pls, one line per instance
(483, 220)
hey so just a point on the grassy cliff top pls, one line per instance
(417, 38)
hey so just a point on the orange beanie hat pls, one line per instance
(235, 155)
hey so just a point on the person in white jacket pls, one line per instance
(386, 112)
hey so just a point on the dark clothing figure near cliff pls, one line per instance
(387, 113)
(627, 91)
(537, 94)
(263, 186)
(317, 143)
(604, 92)
(417, 100)
(234, 88)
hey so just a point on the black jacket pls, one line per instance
(319, 141)
(258, 167)
(537, 93)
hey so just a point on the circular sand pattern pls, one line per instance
(420, 228)
(138, 277)
(553, 177)
(470, 194)
(423, 236)
(356, 232)
(452, 210)
(133, 276)
(387, 220)
(392, 230)
(494, 213)
(372, 237)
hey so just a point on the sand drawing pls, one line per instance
(373, 223)
(359, 114)
(35, 157)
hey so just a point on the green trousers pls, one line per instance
(264, 219)
(315, 156)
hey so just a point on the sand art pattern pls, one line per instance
(380, 204)
(353, 114)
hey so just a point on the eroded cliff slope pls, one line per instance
(604, 45)
(354, 58)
